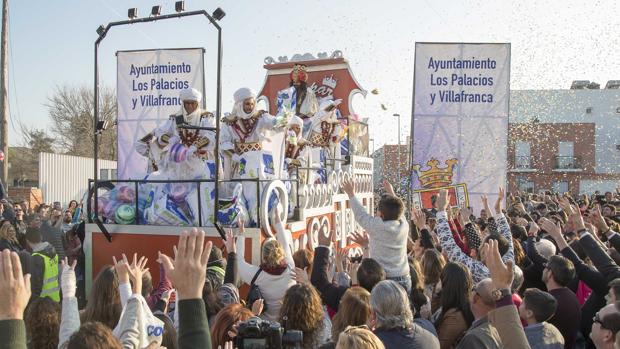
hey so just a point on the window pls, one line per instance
(522, 155)
(113, 174)
(103, 174)
(525, 185)
(566, 158)
(560, 187)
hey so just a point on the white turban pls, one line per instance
(295, 120)
(191, 94)
(244, 93)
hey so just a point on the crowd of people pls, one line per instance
(534, 271)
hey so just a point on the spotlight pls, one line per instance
(218, 14)
(132, 13)
(156, 11)
(179, 6)
(100, 30)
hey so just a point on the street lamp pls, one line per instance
(398, 150)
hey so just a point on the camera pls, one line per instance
(256, 333)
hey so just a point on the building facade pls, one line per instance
(564, 140)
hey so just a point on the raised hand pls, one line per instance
(419, 218)
(598, 220)
(68, 281)
(257, 306)
(553, 229)
(348, 186)
(230, 243)
(498, 202)
(187, 270)
(443, 200)
(341, 256)
(122, 269)
(533, 231)
(388, 187)
(501, 274)
(14, 287)
(574, 215)
(165, 296)
(360, 239)
(301, 276)
(465, 213)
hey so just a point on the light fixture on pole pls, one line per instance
(179, 6)
(132, 13)
(218, 14)
(156, 11)
(398, 150)
(100, 30)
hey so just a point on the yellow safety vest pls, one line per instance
(50, 287)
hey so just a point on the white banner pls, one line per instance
(148, 86)
(461, 102)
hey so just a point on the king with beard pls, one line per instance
(242, 144)
(181, 148)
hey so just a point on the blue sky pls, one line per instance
(553, 43)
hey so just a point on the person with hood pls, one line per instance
(42, 264)
(243, 141)
(182, 148)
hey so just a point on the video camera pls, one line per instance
(256, 333)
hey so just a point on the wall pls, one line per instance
(64, 177)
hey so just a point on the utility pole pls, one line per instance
(4, 91)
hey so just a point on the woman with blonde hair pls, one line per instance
(275, 273)
(8, 237)
(358, 338)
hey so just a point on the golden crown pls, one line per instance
(299, 68)
(436, 177)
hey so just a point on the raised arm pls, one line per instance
(70, 316)
(478, 270)
(504, 317)
(284, 237)
(187, 273)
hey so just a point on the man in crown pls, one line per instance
(242, 145)
(298, 97)
(178, 151)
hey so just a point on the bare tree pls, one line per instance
(71, 111)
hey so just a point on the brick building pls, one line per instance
(564, 140)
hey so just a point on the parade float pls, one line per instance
(123, 215)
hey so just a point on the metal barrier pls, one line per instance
(197, 182)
